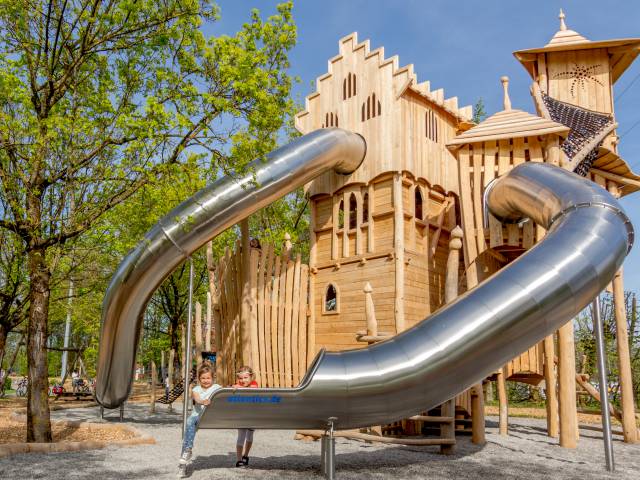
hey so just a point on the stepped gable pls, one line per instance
(406, 76)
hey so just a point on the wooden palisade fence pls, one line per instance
(277, 319)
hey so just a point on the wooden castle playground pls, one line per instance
(404, 235)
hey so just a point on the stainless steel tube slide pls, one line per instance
(587, 240)
(189, 226)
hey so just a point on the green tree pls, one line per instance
(98, 98)
(479, 113)
(13, 287)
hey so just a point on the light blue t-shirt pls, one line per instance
(204, 394)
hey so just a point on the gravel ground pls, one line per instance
(527, 453)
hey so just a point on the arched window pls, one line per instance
(341, 215)
(371, 107)
(365, 208)
(349, 86)
(418, 204)
(353, 211)
(431, 125)
(330, 303)
(330, 120)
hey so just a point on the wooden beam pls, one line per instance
(624, 363)
(369, 311)
(593, 391)
(245, 314)
(355, 435)
(198, 333)
(503, 403)
(616, 178)
(208, 325)
(567, 387)
(477, 415)
(398, 244)
(550, 383)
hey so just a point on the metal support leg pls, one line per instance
(323, 454)
(328, 451)
(101, 412)
(602, 380)
(122, 412)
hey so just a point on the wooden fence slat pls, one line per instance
(254, 257)
(282, 301)
(274, 321)
(284, 327)
(268, 282)
(303, 321)
(260, 306)
(237, 299)
(295, 313)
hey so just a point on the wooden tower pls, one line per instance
(571, 71)
(388, 223)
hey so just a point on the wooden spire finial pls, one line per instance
(563, 26)
(505, 86)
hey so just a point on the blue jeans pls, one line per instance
(190, 432)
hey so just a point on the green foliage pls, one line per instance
(586, 349)
(111, 113)
(479, 113)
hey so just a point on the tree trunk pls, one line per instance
(15, 353)
(3, 342)
(38, 419)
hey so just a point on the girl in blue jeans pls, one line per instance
(200, 394)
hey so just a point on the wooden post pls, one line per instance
(287, 245)
(369, 311)
(451, 291)
(198, 333)
(453, 262)
(567, 387)
(477, 415)
(245, 314)
(154, 381)
(503, 403)
(551, 384)
(172, 357)
(624, 364)
(553, 151)
(448, 408)
(398, 243)
(207, 331)
(448, 430)
(313, 260)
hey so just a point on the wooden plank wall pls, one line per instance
(278, 320)
(479, 165)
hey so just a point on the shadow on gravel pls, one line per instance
(363, 460)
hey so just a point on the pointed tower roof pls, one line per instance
(564, 36)
(508, 123)
(622, 51)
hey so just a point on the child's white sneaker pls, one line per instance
(186, 456)
(182, 471)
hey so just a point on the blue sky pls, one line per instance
(464, 47)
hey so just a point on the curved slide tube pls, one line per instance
(189, 226)
(587, 240)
